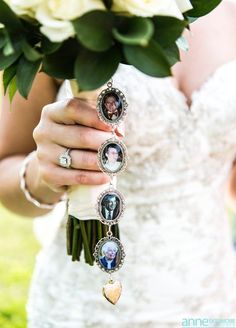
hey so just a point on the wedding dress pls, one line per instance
(179, 257)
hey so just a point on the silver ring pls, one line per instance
(65, 159)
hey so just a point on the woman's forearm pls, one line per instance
(11, 195)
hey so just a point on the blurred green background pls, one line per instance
(18, 249)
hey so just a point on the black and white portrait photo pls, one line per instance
(110, 206)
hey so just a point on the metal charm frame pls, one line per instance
(102, 156)
(100, 206)
(112, 159)
(120, 104)
(119, 257)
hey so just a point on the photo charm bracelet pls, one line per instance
(112, 159)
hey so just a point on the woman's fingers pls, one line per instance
(80, 159)
(69, 136)
(56, 176)
(75, 111)
(77, 136)
(70, 124)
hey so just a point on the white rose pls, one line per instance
(56, 30)
(149, 8)
(55, 16)
(24, 7)
(71, 9)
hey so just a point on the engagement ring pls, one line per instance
(65, 159)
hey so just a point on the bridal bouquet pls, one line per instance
(86, 40)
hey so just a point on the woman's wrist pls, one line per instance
(35, 190)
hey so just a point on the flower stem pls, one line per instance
(87, 252)
(99, 230)
(116, 231)
(80, 246)
(89, 228)
(75, 239)
(94, 235)
(69, 235)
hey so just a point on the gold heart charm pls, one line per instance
(112, 291)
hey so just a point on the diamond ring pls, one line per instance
(65, 159)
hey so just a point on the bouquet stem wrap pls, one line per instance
(84, 228)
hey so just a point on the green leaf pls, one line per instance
(94, 30)
(60, 64)
(191, 19)
(92, 70)
(25, 74)
(9, 18)
(12, 43)
(8, 75)
(172, 54)
(15, 40)
(30, 53)
(8, 48)
(12, 88)
(151, 60)
(167, 29)
(6, 61)
(49, 47)
(2, 38)
(202, 7)
(58, 67)
(134, 31)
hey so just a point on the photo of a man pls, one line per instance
(110, 207)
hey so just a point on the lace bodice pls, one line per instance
(179, 261)
(174, 143)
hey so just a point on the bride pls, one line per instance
(181, 136)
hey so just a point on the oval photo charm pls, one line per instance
(112, 156)
(111, 106)
(109, 254)
(110, 206)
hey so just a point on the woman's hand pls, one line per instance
(69, 124)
